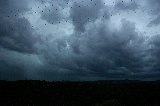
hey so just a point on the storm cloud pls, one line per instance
(79, 40)
(16, 32)
(126, 5)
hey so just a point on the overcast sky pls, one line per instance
(79, 39)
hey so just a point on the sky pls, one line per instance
(79, 39)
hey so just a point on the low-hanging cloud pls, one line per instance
(77, 40)
(16, 32)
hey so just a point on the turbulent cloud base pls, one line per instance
(79, 40)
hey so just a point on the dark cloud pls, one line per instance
(12, 9)
(125, 5)
(81, 12)
(155, 22)
(53, 14)
(100, 51)
(91, 45)
(17, 38)
(111, 52)
(84, 12)
(155, 53)
(9, 72)
(16, 33)
(154, 8)
(154, 5)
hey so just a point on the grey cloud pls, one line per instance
(9, 72)
(15, 65)
(154, 45)
(155, 22)
(12, 8)
(123, 5)
(107, 50)
(102, 52)
(16, 33)
(95, 49)
(83, 12)
(53, 14)
(154, 5)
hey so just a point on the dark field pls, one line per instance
(98, 93)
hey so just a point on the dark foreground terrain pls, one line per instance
(98, 93)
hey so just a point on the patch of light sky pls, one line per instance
(141, 17)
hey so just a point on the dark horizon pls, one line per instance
(100, 93)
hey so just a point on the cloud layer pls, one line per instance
(79, 40)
